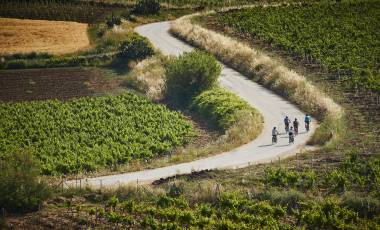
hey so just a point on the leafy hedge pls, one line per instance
(221, 107)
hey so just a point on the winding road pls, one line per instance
(272, 107)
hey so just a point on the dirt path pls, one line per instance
(260, 150)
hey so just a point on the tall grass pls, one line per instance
(147, 77)
(268, 72)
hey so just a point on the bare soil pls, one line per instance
(54, 83)
(54, 37)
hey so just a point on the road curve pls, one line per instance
(272, 107)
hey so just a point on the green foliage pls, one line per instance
(146, 7)
(285, 178)
(20, 189)
(62, 61)
(366, 207)
(136, 47)
(31, 55)
(343, 37)
(328, 215)
(355, 173)
(229, 212)
(221, 107)
(190, 74)
(61, 10)
(113, 20)
(113, 202)
(87, 133)
(338, 180)
(287, 198)
(175, 191)
(128, 205)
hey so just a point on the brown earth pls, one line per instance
(54, 83)
(54, 37)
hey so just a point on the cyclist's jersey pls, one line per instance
(295, 124)
(274, 132)
(307, 119)
(286, 121)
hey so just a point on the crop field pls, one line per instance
(61, 10)
(25, 36)
(52, 83)
(342, 37)
(87, 133)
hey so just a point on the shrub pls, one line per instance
(190, 74)
(288, 198)
(112, 21)
(20, 190)
(221, 107)
(145, 7)
(366, 206)
(136, 47)
(328, 215)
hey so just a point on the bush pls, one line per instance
(112, 21)
(221, 107)
(365, 206)
(288, 198)
(136, 47)
(145, 7)
(190, 74)
(20, 190)
(327, 215)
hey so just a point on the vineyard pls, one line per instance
(342, 37)
(88, 133)
(276, 199)
(66, 10)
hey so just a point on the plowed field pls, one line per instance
(55, 37)
(55, 83)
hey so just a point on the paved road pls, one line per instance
(260, 150)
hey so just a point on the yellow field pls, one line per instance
(54, 37)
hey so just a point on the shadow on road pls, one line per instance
(282, 145)
(265, 145)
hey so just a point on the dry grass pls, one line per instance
(55, 37)
(266, 71)
(148, 77)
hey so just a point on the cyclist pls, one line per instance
(286, 122)
(307, 122)
(274, 135)
(295, 125)
(291, 135)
